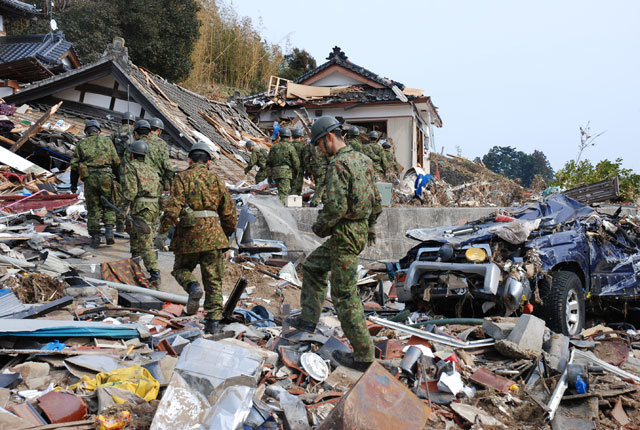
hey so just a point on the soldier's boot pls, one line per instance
(212, 326)
(346, 359)
(300, 324)
(195, 294)
(108, 234)
(119, 226)
(95, 240)
(154, 278)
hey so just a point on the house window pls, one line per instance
(380, 126)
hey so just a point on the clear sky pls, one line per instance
(515, 73)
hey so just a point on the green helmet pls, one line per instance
(385, 144)
(285, 132)
(374, 135)
(297, 132)
(128, 117)
(322, 126)
(142, 124)
(156, 123)
(354, 131)
(250, 143)
(201, 146)
(139, 147)
(92, 124)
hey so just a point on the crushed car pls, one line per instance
(556, 258)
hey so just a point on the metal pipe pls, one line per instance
(561, 387)
(169, 297)
(583, 356)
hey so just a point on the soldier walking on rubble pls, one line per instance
(389, 156)
(349, 217)
(283, 164)
(159, 152)
(316, 163)
(299, 143)
(121, 139)
(141, 195)
(354, 139)
(372, 150)
(207, 216)
(258, 158)
(96, 162)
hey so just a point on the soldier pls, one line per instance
(141, 194)
(96, 162)
(354, 140)
(159, 153)
(316, 163)
(390, 160)
(258, 158)
(121, 140)
(299, 144)
(283, 164)
(207, 216)
(349, 217)
(374, 151)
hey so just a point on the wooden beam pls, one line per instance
(224, 151)
(7, 140)
(35, 128)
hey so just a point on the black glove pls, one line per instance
(116, 173)
(371, 237)
(74, 181)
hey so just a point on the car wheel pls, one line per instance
(563, 307)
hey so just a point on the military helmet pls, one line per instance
(322, 126)
(142, 124)
(139, 147)
(156, 123)
(374, 134)
(128, 116)
(385, 144)
(285, 132)
(250, 143)
(201, 146)
(92, 123)
(354, 131)
(297, 132)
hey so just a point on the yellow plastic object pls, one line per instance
(136, 379)
(476, 255)
(113, 422)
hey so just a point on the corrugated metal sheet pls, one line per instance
(9, 305)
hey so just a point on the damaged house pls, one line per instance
(107, 88)
(346, 90)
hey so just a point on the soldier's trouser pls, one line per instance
(95, 185)
(284, 188)
(296, 184)
(339, 255)
(120, 216)
(261, 175)
(212, 270)
(319, 193)
(141, 244)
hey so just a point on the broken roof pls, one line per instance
(17, 7)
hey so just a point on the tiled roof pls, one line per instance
(19, 7)
(46, 48)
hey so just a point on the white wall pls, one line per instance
(70, 95)
(335, 79)
(400, 130)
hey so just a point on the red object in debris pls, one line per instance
(415, 340)
(527, 309)
(487, 378)
(453, 358)
(173, 309)
(374, 329)
(392, 292)
(62, 407)
(504, 218)
(164, 345)
(28, 413)
(47, 201)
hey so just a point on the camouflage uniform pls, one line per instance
(316, 163)
(374, 151)
(205, 242)
(351, 210)
(158, 157)
(391, 163)
(141, 193)
(283, 164)
(298, 180)
(121, 139)
(258, 158)
(355, 144)
(95, 159)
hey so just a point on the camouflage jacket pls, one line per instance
(283, 161)
(299, 145)
(390, 160)
(200, 189)
(139, 183)
(94, 152)
(355, 144)
(121, 138)
(374, 151)
(351, 192)
(258, 158)
(158, 157)
(315, 161)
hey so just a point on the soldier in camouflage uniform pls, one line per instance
(207, 216)
(349, 217)
(374, 151)
(316, 163)
(299, 143)
(96, 162)
(283, 164)
(121, 139)
(390, 161)
(354, 139)
(141, 194)
(158, 151)
(258, 158)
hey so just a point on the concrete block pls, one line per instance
(528, 333)
(342, 379)
(498, 328)
(558, 352)
(294, 201)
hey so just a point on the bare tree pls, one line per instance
(587, 139)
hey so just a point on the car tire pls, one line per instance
(563, 304)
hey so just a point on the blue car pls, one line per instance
(556, 258)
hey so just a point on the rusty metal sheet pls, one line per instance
(488, 379)
(378, 401)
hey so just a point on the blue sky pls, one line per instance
(515, 73)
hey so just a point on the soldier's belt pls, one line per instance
(99, 169)
(147, 199)
(205, 214)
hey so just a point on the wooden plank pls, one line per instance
(6, 140)
(35, 128)
(224, 151)
(88, 424)
(154, 85)
(306, 91)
